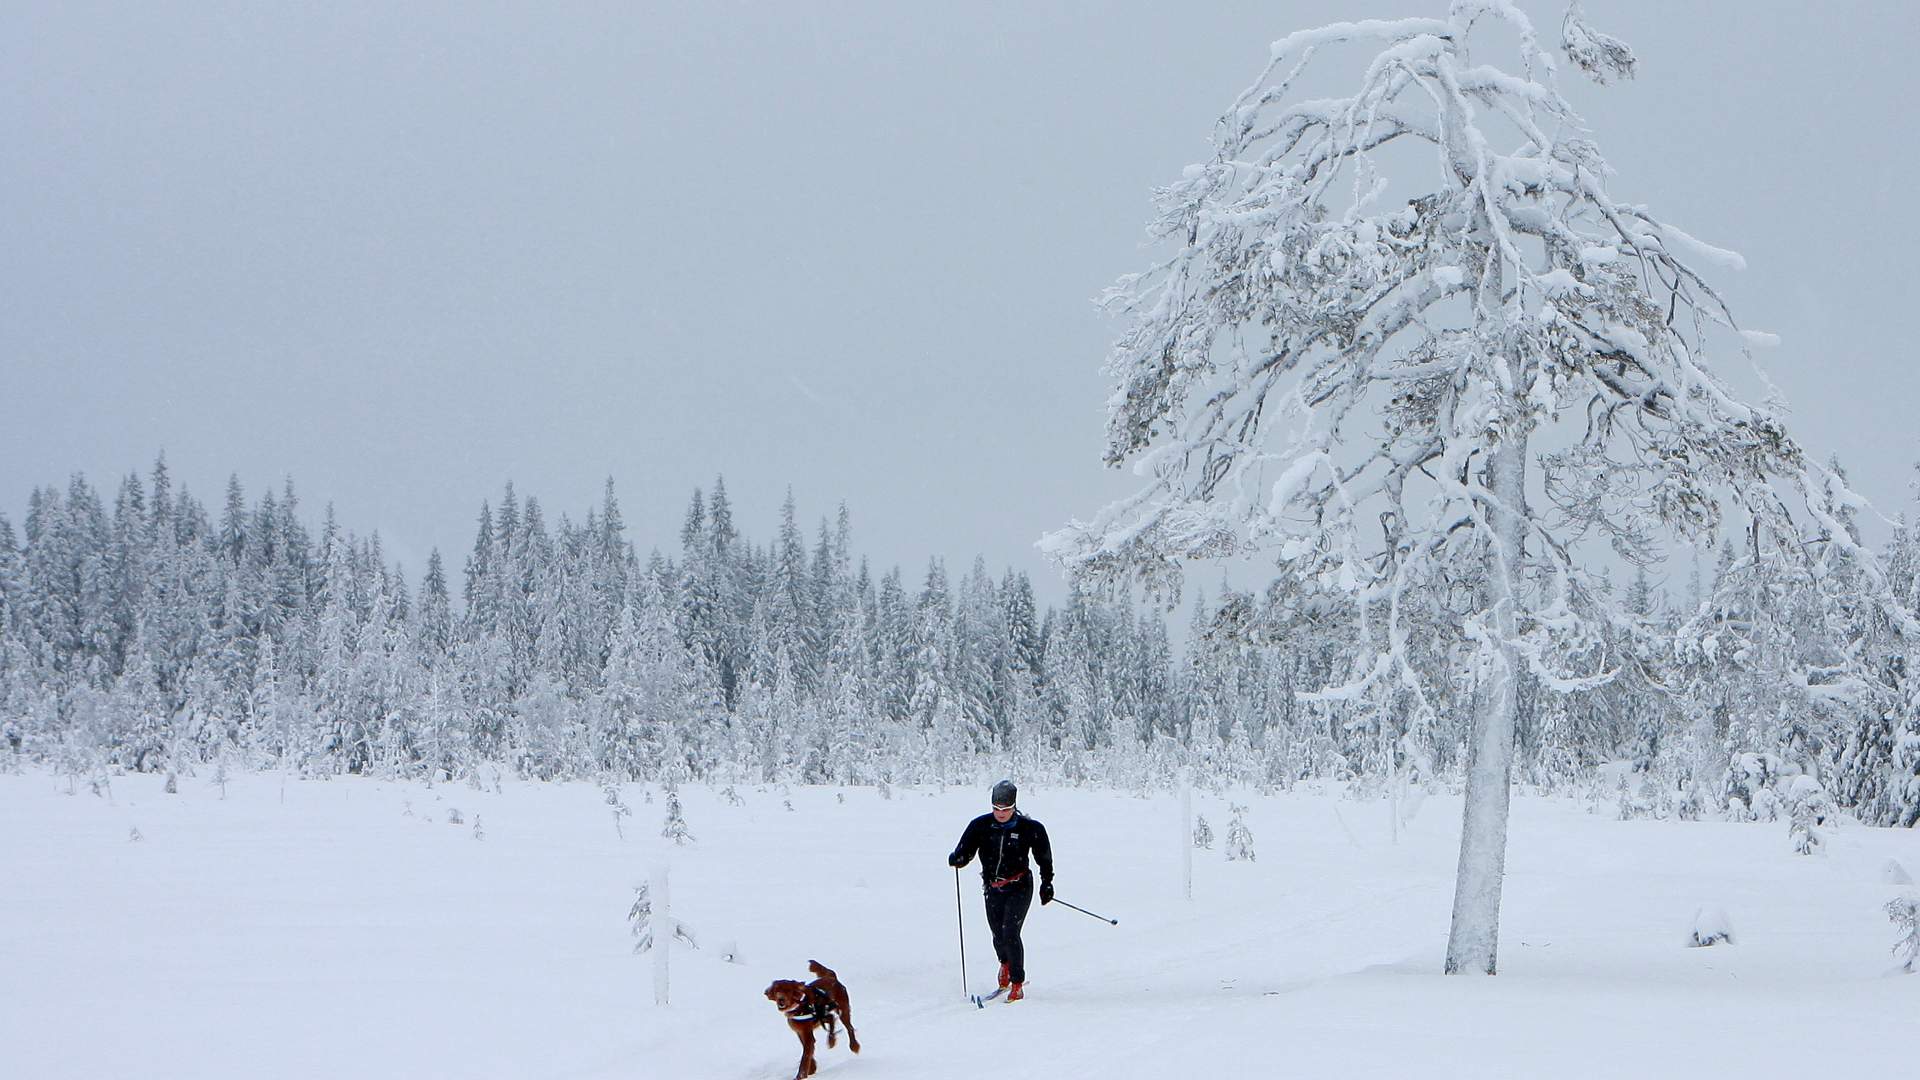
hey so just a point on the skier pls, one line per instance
(1004, 839)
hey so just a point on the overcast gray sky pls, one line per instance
(407, 252)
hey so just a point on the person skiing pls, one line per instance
(1005, 839)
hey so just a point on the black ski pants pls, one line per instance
(1006, 911)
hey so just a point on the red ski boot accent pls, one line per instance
(1019, 991)
(1006, 976)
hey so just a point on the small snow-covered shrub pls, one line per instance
(640, 919)
(1747, 775)
(640, 922)
(611, 792)
(1202, 833)
(1810, 808)
(675, 827)
(1905, 913)
(453, 816)
(1594, 795)
(1239, 837)
(1649, 800)
(1710, 927)
(1895, 874)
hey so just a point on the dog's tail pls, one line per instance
(822, 970)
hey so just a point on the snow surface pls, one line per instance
(334, 934)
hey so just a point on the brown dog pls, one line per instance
(808, 1005)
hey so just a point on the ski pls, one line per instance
(980, 1000)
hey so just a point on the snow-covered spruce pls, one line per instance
(640, 918)
(610, 794)
(1360, 388)
(1810, 809)
(1905, 913)
(675, 826)
(1239, 837)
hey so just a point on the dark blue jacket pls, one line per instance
(1005, 850)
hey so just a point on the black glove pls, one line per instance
(1046, 893)
(956, 860)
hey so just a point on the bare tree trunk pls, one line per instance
(1473, 943)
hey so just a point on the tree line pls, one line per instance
(156, 635)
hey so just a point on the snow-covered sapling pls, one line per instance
(478, 833)
(1710, 927)
(1202, 833)
(675, 828)
(620, 809)
(1895, 874)
(1811, 808)
(640, 919)
(1905, 913)
(1595, 797)
(134, 836)
(1239, 837)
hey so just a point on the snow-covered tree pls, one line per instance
(1364, 389)
(1239, 837)
(1904, 911)
(675, 827)
(1810, 808)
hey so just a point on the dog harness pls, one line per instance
(816, 1006)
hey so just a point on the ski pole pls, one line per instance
(962, 923)
(1084, 911)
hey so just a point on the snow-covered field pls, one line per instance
(347, 929)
